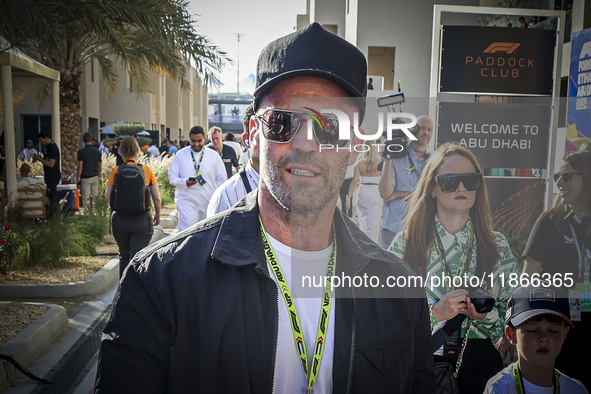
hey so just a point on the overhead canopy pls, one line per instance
(27, 76)
(20, 77)
(108, 129)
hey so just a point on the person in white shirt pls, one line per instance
(196, 173)
(153, 150)
(230, 140)
(241, 183)
(27, 153)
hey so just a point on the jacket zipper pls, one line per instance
(276, 325)
(354, 332)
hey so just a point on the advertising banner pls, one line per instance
(578, 123)
(482, 59)
(507, 139)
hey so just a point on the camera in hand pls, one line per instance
(396, 147)
(483, 303)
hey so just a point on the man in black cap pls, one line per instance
(225, 307)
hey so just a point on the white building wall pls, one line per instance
(332, 11)
(90, 99)
(405, 25)
(184, 108)
(173, 108)
(126, 105)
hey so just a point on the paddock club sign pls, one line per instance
(481, 59)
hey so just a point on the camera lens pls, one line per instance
(483, 303)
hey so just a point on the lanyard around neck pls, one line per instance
(583, 253)
(520, 387)
(463, 268)
(195, 164)
(296, 327)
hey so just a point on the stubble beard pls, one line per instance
(304, 201)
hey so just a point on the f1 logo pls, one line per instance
(585, 50)
(508, 47)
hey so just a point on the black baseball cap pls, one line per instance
(313, 51)
(529, 302)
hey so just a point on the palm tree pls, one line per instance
(142, 34)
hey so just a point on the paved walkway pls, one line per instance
(74, 376)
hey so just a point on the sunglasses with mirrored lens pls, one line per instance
(449, 182)
(281, 126)
(566, 176)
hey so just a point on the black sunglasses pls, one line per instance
(566, 176)
(449, 182)
(281, 126)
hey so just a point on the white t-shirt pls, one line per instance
(289, 373)
(236, 146)
(231, 191)
(244, 158)
(504, 383)
(154, 151)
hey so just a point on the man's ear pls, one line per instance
(566, 330)
(510, 334)
(253, 141)
(354, 142)
(245, 139)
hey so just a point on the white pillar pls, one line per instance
(10, 161)
(55, 117)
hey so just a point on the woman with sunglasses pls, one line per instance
(448, 234)
(559, 248)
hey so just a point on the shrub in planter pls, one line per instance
(59, 237)
(10, 244)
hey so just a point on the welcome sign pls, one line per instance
(497, 60)
(501, 136)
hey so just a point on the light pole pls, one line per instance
(238, 36)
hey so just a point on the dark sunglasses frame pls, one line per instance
(449, 182)
(566, 176)
(321, 133)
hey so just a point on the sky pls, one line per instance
(259, 22)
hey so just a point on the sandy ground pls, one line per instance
(16, 316)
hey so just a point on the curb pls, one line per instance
(171, 221)
(100, 282)
(32, 341)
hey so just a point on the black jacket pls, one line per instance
(198, 312)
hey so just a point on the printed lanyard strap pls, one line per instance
(520, 387)
(581, 250)
(463, 268)
(296, 327)
(195, 164)
(411, 167)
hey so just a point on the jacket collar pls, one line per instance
(239, 240)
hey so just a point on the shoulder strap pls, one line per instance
(242, 173)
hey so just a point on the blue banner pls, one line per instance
(578, 123)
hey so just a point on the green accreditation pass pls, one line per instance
(311, 369)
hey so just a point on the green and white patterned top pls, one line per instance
(456, 247)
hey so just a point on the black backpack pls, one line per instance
(131, 196)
